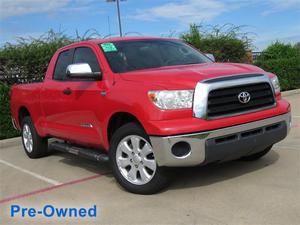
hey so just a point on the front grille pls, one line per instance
(224, 101)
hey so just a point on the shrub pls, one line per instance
(287, 70)
(279, 50)
(226, 42)
(284, 61)
(297, 47)
(27, 60)
(6, 128)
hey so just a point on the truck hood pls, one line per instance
(186, 76)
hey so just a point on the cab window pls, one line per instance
(64, 59)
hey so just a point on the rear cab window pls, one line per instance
(63, 60)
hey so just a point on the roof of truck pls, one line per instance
(113, 39)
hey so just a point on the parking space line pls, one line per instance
(296, 116)
(40, 177)
(286, 147)
(9, 199)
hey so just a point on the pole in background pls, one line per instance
(108, 23)
(119, 17)
(119, 14)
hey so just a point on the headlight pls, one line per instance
(181, 99)
(275, 83)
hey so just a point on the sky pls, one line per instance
(265, 20)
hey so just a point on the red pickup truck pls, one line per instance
(147, 104)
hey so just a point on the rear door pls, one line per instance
(54, 98)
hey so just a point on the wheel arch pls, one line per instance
(22, 113)
(117, 120)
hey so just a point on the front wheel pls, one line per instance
(133, 161)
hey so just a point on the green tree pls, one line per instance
(284, 61)
(297, 47)
(193, 37)
(225, 42)
(6, 128)
(279, 50)
(27, 60)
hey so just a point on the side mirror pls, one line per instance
(82, 70)
(211, 57)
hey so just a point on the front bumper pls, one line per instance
(222, 144)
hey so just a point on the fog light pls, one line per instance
(181, 149)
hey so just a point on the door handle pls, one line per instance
(67, 91)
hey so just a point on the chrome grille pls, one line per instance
(224, 101)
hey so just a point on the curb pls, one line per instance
(291, 92)
(10, 142)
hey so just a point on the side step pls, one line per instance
(82, 152)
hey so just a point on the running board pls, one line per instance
(82, 152)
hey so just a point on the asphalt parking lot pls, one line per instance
(266, 191)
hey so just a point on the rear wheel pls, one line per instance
(133, 161)
(257, 155)
(34, 145)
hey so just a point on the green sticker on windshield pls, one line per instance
(109, 47)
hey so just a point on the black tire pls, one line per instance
(257, 155)
(39, 144)
(160, 177)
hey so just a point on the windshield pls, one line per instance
(125, 56)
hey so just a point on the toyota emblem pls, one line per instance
(244, 97)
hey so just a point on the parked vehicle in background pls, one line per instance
(149, 103)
